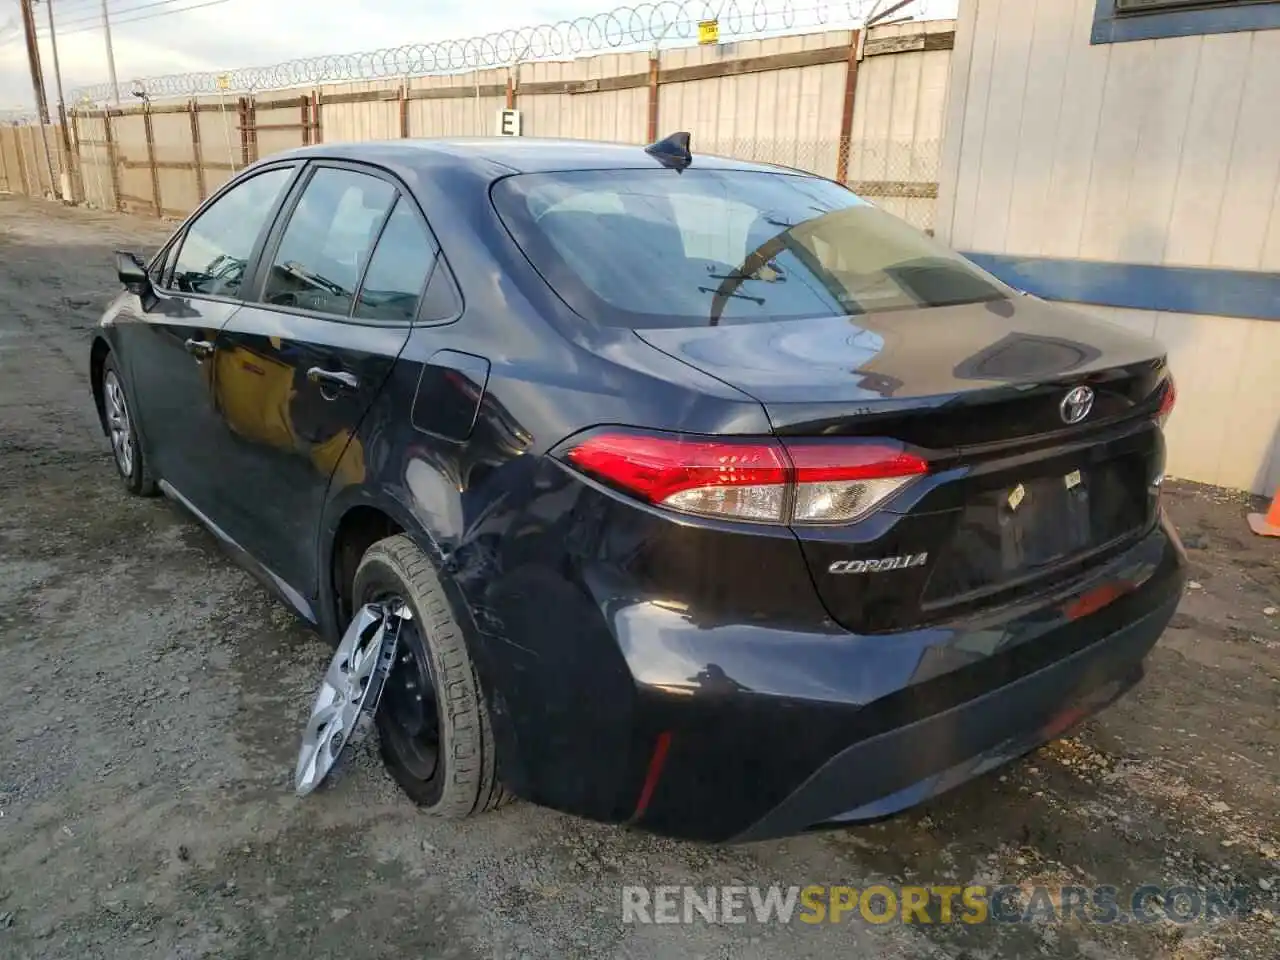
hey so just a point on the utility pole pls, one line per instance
(33, 60)
(62, 103)
(57, 67)
(111, 54)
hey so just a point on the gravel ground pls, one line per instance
(152, 697)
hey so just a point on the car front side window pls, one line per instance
(216, 248)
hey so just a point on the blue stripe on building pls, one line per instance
(1250, 294)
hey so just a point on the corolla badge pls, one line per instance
(1075, 406)
(879, 566)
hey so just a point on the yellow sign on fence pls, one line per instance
(708, 31)
(224, 81)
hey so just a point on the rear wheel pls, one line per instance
(433, 726)
(131, 462)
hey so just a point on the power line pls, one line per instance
(94, 21)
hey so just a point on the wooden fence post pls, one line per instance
(242, 115)
(846, 118)
(304, 106)
(151, 158)
(197, 151)
(4, 164)
(78, 192)
(652, 134)
(113, 159)
(253, 129)
(54, 186)
(404, 109)
(317, 126)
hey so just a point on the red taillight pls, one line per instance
(736, 478)
(1167, 400)
(764, 480)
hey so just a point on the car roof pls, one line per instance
(500, 156)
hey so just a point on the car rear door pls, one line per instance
(299, 366)
(166, 340)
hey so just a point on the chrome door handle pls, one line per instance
(200, 349)
(333, 378)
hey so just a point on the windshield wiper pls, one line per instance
(324, 283)
(737, 296)
(778, 275)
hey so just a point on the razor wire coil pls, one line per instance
(624, 27)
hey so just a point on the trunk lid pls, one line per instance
(1017, 498)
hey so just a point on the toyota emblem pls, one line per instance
(1076, 404)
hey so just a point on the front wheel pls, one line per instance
(131, 462)
(433, 725)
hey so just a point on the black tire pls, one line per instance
(464, 778)
(135, 471)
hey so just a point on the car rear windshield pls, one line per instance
(661, 248)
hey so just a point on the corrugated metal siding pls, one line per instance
(618, 115)
(1157, 151)
(367, 120)
(1226, 429)
(465, 116)
(95, 162)
(135, 177)
(219, 141)
(172, 133)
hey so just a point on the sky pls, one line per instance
(240, 33)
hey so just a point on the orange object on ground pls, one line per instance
(1268, 525)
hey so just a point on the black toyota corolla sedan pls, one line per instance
(707, 496)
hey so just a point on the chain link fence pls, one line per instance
(900, 177)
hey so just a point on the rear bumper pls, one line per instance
(898, 769)
(840, 729)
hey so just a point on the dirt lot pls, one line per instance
(152, 694)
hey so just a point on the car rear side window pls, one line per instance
(218, 243)
(327, 241)
(653, 247)
(399, 268)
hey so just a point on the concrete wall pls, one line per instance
(1155, 152)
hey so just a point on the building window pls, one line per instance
(1118, 21)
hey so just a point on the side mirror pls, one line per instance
(132, 272)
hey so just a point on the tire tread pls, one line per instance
(471, 766)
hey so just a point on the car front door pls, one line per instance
(341, 279)
(167, 340)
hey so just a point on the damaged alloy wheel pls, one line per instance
(352, 687)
